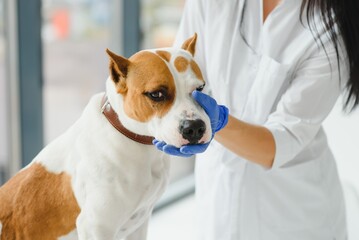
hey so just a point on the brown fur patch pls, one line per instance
(181, 64)
(196, 70)
(164, 54)
(147, 73)
(37, 204)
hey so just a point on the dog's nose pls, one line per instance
(192, 130)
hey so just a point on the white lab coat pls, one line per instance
(284, 82)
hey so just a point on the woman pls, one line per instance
(279, 67)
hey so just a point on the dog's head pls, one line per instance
(156, 87)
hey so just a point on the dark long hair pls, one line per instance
(340, 18)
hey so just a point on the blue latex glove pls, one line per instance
(218, 115)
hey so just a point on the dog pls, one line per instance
(101, 178)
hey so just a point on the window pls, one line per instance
(75, 36)
(160, 20)
(3, 100)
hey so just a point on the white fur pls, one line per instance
(0, 228)
(71, 236)
(115, 180)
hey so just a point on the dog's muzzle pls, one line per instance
(192, 130)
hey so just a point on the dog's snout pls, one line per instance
(192, 130)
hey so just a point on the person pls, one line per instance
(279, 67)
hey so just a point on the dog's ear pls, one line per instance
(190, 44)
(118, 70)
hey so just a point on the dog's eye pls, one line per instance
(200, 88)
(157, 96)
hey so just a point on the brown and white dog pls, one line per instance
(94, 182)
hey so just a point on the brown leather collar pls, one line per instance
(112, 117)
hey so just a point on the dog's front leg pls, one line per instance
(90, 228)
(140, 233)
(101, 216)
(98, 222)
(106, 197)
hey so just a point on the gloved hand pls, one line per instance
(218, 115)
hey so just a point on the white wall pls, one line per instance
(343, 136)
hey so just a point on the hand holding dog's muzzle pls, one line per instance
(218, 115)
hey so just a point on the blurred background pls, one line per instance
(52, 60)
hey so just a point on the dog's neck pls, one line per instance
(116, 101)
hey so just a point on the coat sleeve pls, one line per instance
(310, 97)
